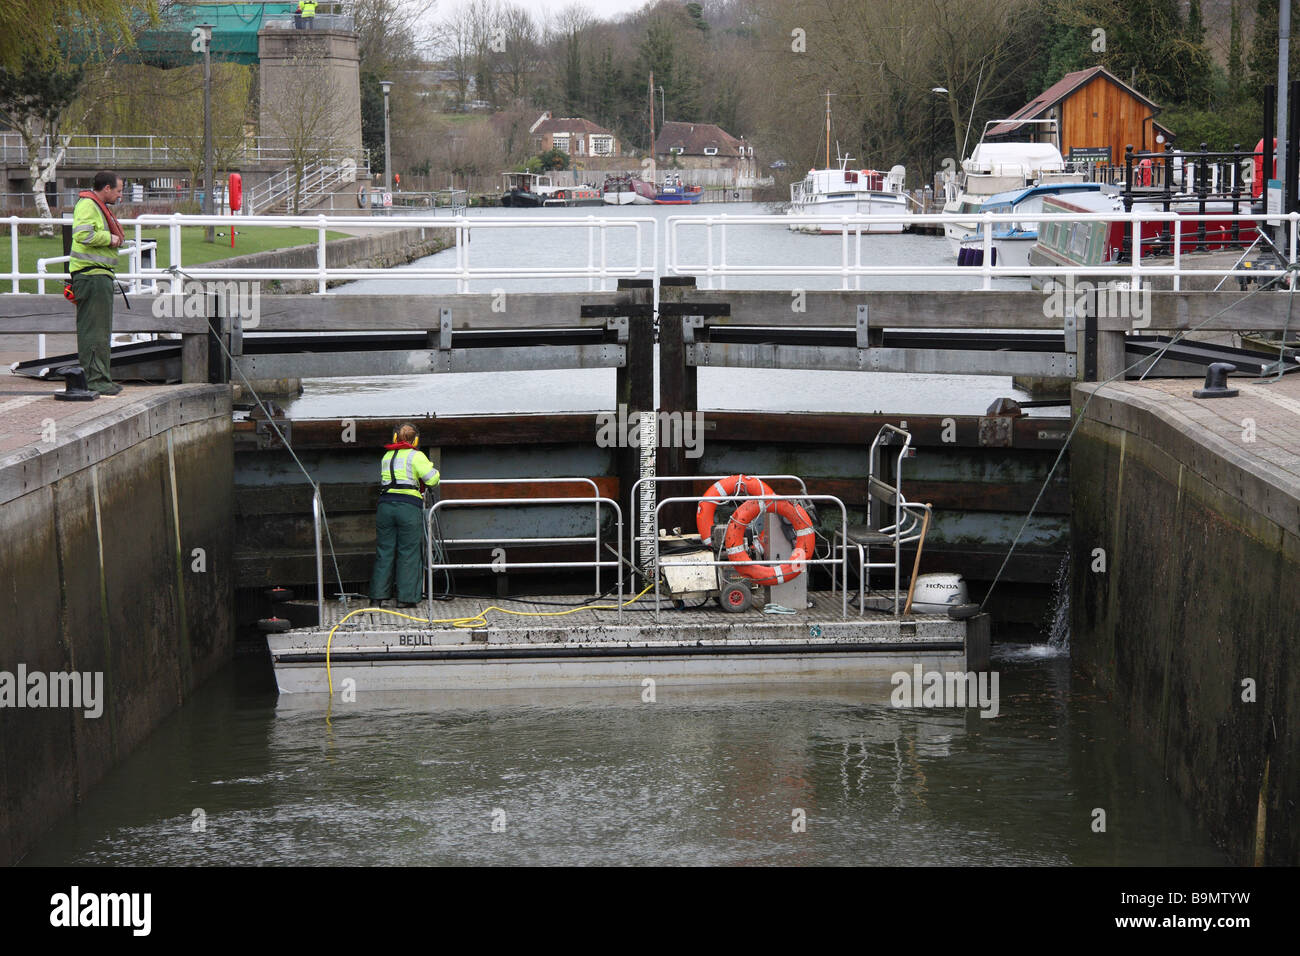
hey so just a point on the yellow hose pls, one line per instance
(475, 621)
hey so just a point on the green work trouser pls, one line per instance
(398, 540)
(94, 295)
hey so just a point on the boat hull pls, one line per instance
(884, 204)
(678, 196)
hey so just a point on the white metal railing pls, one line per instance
(808, 561)
(638, 258)
(321, 21)
(853, 255)
(146, 150)
(598, 270)
(318, 179)
(502, 565)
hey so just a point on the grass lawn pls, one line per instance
(194, 250)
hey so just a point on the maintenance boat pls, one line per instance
(726, 600)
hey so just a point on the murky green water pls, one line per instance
(701, 776)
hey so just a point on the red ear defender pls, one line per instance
(67, 293)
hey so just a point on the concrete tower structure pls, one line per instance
(309, 88)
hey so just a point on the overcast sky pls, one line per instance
(545, 10)
(602, 9)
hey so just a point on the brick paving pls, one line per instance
(28, 405)
(1273, 408)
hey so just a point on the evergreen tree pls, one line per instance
(1262, 59)
(1236, 70)
(1195, 27)
(573, 98)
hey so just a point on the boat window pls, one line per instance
(1079, 235)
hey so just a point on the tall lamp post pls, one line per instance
(209, 232)
(388, 153)
(937, 91)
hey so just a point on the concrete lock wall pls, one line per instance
(99, 575)
(1197, 598)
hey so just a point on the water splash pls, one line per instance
(1058, 633)
(1058, 627)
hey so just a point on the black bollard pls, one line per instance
(1216, 377)
(75, 389)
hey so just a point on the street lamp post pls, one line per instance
(388, 153)
(937, 91)
(209, 233)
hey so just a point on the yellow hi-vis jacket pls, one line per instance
(307, 8)
(92, 243)
(402, 471)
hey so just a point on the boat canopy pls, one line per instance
(1015, 197)
(1024, 159)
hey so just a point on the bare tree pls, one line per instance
(521, 56)
(386, 32)
(306, 117)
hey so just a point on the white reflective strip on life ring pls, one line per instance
(736, 549)
(717, 487)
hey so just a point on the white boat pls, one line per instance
(994, 168)
(850, 192)
(1013, 240)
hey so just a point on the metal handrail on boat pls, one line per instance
(595, 499)
(656, 479)
(595, 490)
(695, 499)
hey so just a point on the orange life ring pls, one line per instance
(725, 488)
(733, 545)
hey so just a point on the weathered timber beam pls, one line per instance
(415, 361)
(820, 357)
(817, 428)
(1011, 309)
(362, 497)
(53, 315)
(506, 310)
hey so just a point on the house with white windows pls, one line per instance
(580, 138)
(698, 146)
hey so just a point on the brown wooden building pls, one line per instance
(1095, 114)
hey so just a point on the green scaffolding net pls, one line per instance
(234, 31)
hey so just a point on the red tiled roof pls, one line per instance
(694, 138)
(1059, 91)
(570, 124)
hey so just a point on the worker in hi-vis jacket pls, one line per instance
(399, 521)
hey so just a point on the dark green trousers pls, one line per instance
(398, 543)
(94, 295)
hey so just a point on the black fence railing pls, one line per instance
(1194, 182)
